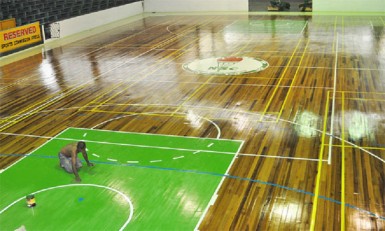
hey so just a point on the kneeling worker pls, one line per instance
(69, 159)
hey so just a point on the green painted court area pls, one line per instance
(139, 182)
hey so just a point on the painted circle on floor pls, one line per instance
(230, 65)
(80, 206)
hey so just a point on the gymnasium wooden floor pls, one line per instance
(312, 122)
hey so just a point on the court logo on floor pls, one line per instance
(226, 65)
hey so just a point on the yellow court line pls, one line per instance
(208, 80)
(95, 100)
(292, 81)
(342, 49)
(335, 31)
(319, 168)
(11, 102)
(170, 114)
(182, 33)
(84, 56)
(363, 147)
(320, 162)
(343, 216)
(100, 104)
(362, 92)
(37, 107)
(280, 80)
(176, 106)
(361, 99)
(382, 20)
(243, 77)
(162, 43)
(143, 113)
(139, 105)
(37, 104)
(192, 95)
(99, 48)
(10, 123)
(120, 40)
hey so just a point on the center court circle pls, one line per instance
(43, 211)
(230, 65)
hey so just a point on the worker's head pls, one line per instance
(81, 146)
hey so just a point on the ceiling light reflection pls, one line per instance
(194, 119)
(48, 75)
(241, 122)
(189, 202)
(360, 125)
(363, 221)
(289, 210)
(306, 124)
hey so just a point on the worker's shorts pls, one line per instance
(66, 163)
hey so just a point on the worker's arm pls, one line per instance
(85, 156)
(74, 169)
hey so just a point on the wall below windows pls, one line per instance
(50, 11)
(349, 6)
(96, 19)
(243, 5)
(195, 5)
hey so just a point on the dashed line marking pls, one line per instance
(178, 157)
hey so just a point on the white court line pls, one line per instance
(215, 194)
(336, 137)
(151, 113)
(333, 105)
(109, 120)
(82, 86)
(121, 144)
(90, 185)
(22, 158)
(33, 110)
(213, 199)
(178, 157)
(216, 125)
(196, 151)
(304, 27)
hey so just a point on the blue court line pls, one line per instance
(219, 175)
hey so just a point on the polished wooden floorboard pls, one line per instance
(312, 122)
